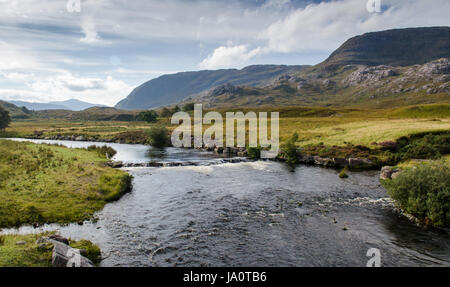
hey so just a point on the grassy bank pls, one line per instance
(29, 254)
(47, 184)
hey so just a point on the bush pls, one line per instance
(424, 192)
(159, 136)
(424, 146)
(254, 152)
(188, 107)
(289, 150)
(147, 116)
(343, 173)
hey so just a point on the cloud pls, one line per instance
(67, 86)
(228, 56)
(327, 25)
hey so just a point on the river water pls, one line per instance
(250, 214)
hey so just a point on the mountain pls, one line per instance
(398, 47)
(72, 105)
(352, 85)
(323, 84)
(170, 89)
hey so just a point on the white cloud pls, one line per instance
(67, 86)
(228, 56)
(327, 25)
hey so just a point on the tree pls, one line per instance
(147, 116)
(175, 109)
(4, 118)
(188, 107)
(165, 113)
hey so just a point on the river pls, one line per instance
(250, 214)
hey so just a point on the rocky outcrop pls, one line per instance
(388, 172)
(225, 89)
(63, 255)
(369, 75)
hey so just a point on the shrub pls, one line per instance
(165, 113)
(289, 150)
(159, 136)
(254, 152)
(423, 191)
(188, 107)
(424, 146)
(343, 173)
(147, 116)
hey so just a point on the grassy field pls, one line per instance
(29, 255)
(327, 126)
(44, 183)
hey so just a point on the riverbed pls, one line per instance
(250, 214)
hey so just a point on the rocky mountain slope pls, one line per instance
(170, 89)
(351, 85)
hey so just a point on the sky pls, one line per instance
(100, 50)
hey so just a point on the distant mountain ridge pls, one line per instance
(72, 105)
(398, 47)
(170, 89)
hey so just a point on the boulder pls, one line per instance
(359, 163)
(66, 256)
(340, 162)
(58, 238)
(388, 172)
(323, 161)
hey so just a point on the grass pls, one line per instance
(52, 184)
(29, 255)
(323, 128)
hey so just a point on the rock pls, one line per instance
(59, 238)
(340, 162)
(225, 89)
(79, 138)
(115, 164)
(306, 159)
(388, 172)
(66, 256)
(359, 163)
(21, 243)
(369, 75)
(218, 150)
(323, 161)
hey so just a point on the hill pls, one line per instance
(170, 89)
(72, 105)
(15, 112)
(398, 47)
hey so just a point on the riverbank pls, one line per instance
(31, 251)
(53, 184)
